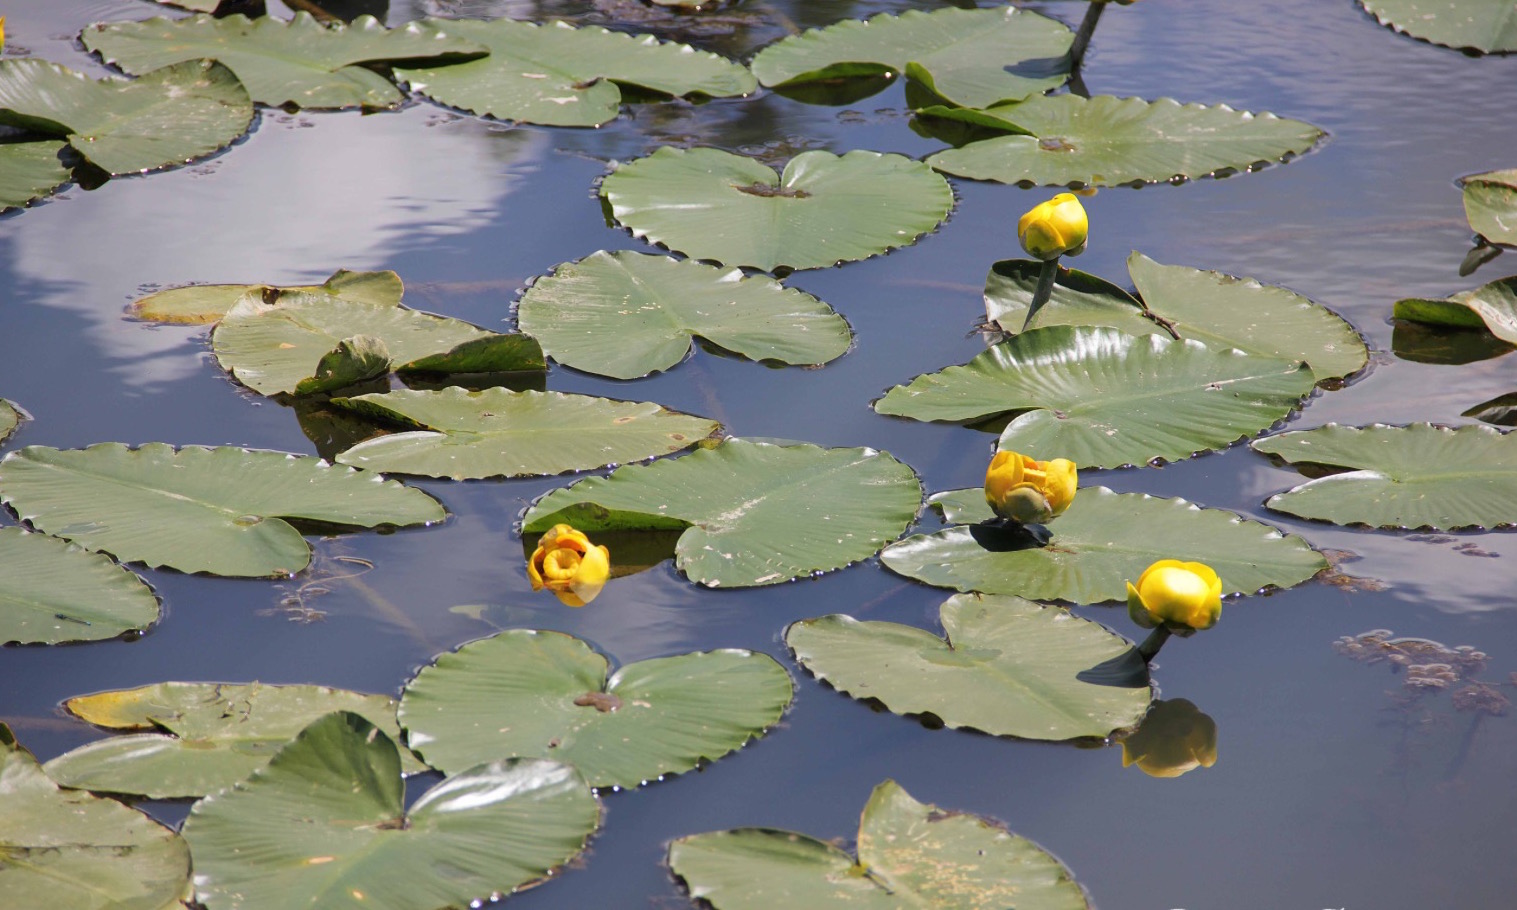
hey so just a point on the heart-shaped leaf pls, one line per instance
(1482, 25)
(1490, 204)
(195, 509)
(1103, 398)
(759, 514)
(626, 315)
(324, 824)
(1418, 476)
(500, 433)
(29, 171)
(825, 209)
(1492, 307)
(1008, 666)
(52, 591)
(1095, 548)
(543, 694)
(200, 304)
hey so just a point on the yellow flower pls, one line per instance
(1175, 737)
(1023, 490)
(1181, 596)
(2, 33)
(566, 563)
(1054, 228)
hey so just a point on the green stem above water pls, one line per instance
(1046, 278)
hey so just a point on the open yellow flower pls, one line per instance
(566, 563)
(1181, 596)
(1027, 491)
(1174, 738)
(1054, 228)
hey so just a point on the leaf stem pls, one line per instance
(1047, 275)
(1082, 36)
(1151, 645)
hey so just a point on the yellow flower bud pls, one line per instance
(1020, 489)
(1174, 738)
(566, 563)
(1054, 228)
(1181, 596)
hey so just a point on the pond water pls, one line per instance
(1331, 788)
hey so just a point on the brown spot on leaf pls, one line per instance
(604, 702)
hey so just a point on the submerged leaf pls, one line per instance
(52, 591)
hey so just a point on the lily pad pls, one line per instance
(166, 117)
(1489, 26)
(1418, 476)
(500, 433)
(202, 304)
(68, 849)
(1223, 311)
(972, 57)
(300, 61)
(559, 75)
(217, 510)
(1490, 204)
(1109, 141)
(626, 315)
(910, 855)
(824, 209)
(10, 418)
(1102, 542)
(1491, 307)
(544, 694)
(325, 824)
(1501, 410)
(1103, 398)
(758, 514)
(1008, 667)
(29, 171)
(204, 736)
(52, 591)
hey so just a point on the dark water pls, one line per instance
(1325, 794)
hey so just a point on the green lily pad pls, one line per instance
(1101, 543)
(910, 855)
(1501, 410)
(324, 824)
(1491, 307)
(1489, 26)
(626, 315)
(544, 694)
(300, 62)
(1490, 204)
(1103, 398)
(559, 75)
(10, 418)
(276, 348)
(972, 57)
(1008, 667)
(1418, 476)
(163, 118)
(52, 591)
(202, 304)
(204, 736)
(825, 209)
(500, 433)
(29, 171)
(1108, 141)
(195, 509)
(66, 849)
(758, 514)
(1223, 311)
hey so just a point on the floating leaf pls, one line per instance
(910, 854)
(626, 315)
(759, 514)
(560, 75)
(29, 171)
(204, 736)
(52, 591)
(1108, 141)
(1501, 410)
(9, 419)
(1492, 307)
(68, 849)
(1009, 667)
(325, 825)
(300, 62)
(1483, 25)
(216, 510)
(543, 694)
(1221, 310)
(1490, 204)
(825, 209)
(1103, 398)
(1419, 476)
(501, 433)
(201, 304)
(1102, 542)
(166, 117)
(972, 57)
